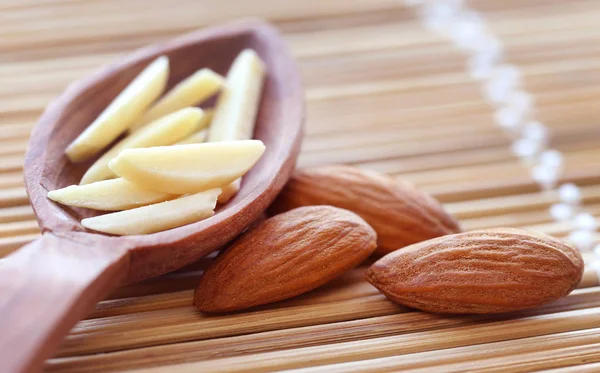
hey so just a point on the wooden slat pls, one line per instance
(185, 326)
(12, 243)
(400, 344)
(18, 213)
(583, 368)
(19, 228)
(510, 356)
(15, 196)
(382, 93)
(299, 337)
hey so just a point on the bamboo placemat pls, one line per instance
(383, 93)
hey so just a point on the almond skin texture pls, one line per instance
(400, 213)
(487, 271)
(284, 256)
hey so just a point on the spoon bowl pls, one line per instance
(46, 286)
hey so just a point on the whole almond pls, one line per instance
(400, 213)
(284, 256)
(487, 271)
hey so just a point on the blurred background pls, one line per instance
(387, 88)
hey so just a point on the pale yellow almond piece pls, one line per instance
(108, 195)
(229, 191)
(163, 131)
(237, 107)
(195, 138)
(122, 112)
(206, 119)
(157, 217)
(192, 168)
(190, 92)
(199, 136)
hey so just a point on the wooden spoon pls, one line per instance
(48, 285)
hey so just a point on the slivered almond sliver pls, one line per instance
(237, 107)
(158, 217)
(190, 92)
(195, 138)
(201, 135)
(181, 169)
(164, 131)
(108, 195)
(122, 112)
(229, 191)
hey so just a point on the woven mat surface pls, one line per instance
(382, 92)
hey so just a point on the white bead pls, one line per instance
(569, 193)
(497, 90)
(502, 84)
(545, 176)
(551, 158)
(595, 266)
(521, 101)
(582, 240)
(561, 211)
(466, 27)
(456, 4)
(414, 2)
(508, 118)
(525, 148)
(438, 15)
(508, 73)
(597, 251)
(481, 66)
(585, 221)
(535, 131)
(486, 44)
(435, 24)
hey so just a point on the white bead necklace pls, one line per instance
(513, 108)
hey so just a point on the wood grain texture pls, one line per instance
(382, 93)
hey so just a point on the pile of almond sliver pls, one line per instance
(176, 160)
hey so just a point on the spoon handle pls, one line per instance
(45, 288)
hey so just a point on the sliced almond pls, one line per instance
(157, 217)
(237, 107)
(201, 135)
(122, 111)
(190, 92)
(195, 138)
(108, 195)
(229, 191)
(164, 131)
(192, 168)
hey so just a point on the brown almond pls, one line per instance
(284, 256)
(487, 271)
(400, 213)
